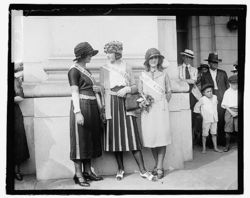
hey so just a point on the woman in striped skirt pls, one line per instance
(85, 123)
(121, 132)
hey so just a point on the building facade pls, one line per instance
(45, 45)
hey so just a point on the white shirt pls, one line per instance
(214, 74)
(192, 71)
(115, 77)
(230, 98)
(208, 108)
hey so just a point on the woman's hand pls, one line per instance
(79, 118)
(122, 92)
(18, 99)
(96, 88)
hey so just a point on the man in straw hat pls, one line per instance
(218, 78)
(189, 74)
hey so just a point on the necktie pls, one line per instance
(187, 73)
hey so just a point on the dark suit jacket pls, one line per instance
(221, 79)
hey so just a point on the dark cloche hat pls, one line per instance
(233, 79)
(204, 87)
(213, 57)
(151, 53)
(202, 65)
(83, 49)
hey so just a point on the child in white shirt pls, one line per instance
(207, 107)
(230, 103)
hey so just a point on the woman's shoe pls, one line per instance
(19, 176)
(119, 175)
(92, 176)
(226, 149)
(154, 171)
(149, 176)
(160, 173)
(81, 181)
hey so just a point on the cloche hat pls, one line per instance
(151, 53)
(208, 85)
(233, 79)
(83, 49)
(202, 65)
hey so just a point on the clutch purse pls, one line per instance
(131, 103)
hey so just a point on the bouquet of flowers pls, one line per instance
(145, 102)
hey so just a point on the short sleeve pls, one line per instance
(73, 77)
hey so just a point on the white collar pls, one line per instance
(212, 71)
(186, 65)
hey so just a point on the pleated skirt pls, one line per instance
(85, 141)
(121, 132)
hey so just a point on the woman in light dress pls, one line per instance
(156, 134)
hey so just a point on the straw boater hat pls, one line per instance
(151, 53)
(188, 52)
(83, 49)
(204, 87)
(213, 57)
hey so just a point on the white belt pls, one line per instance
(81, 96)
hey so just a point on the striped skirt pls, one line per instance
(85, 141)
(121, 132)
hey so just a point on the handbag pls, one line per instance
(131, 103)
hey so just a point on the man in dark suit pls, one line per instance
(219, 79)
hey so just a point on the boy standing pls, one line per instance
(230, 103)
(207, 107)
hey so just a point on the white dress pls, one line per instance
(155, 123)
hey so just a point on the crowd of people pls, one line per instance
(101, 121)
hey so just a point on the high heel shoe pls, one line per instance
(119, 175)
(81, 181)
(154, 171)
(149, 176)
(160, 173)
(92, 176)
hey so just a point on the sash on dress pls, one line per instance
(152, 84)
(85, 72)
(124, 74)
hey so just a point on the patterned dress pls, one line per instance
(85, 141)
(121, 132)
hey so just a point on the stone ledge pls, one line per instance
(61, 88)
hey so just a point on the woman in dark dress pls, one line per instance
(21, 151)
(85, 123)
